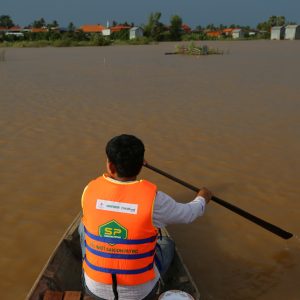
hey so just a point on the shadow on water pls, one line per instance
(220, 269)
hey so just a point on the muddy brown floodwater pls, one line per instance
(228, 122)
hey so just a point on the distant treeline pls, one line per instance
(154, 30)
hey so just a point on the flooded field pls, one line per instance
(228, 122)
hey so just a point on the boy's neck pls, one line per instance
(124, 179)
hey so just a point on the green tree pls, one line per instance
(263, 26)
(175, 27)
(6, 21)
(120, 35)
(272, 21)
(98, 40)
(198, 28)
(154, 28)
(39, 23)
(211, 27)
(281, 21)
(54, 24)
(71, 27)
(54, 35)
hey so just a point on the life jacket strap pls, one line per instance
(114, 286)
(159, 234)
(156, 257)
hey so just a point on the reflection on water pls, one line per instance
(227, 122)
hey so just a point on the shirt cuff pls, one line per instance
(202, 202)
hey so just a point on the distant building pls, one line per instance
(26, 29)
(119, 28)
(292, 32)
(92, 28)
(227, 31)
(186, 28)
(38, 30)
(277, 33)
(106, 32)
(238, 33)
(15, 30)
(253, 33)
(214, 34)
(12, 33)
(136, 32)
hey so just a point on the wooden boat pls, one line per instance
(61, 276)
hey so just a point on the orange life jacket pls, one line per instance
(119, 234)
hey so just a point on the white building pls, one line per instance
(238, 33)
(19, 34)
(252, 33)
(292, 32)
(136, 32)
(277, 33)
(106, 32)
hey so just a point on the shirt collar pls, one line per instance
(107, 177)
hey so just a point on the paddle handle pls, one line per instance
(266, 225)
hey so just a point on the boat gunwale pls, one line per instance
(69, 230)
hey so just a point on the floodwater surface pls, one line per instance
(229, 122)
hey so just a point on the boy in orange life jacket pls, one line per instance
(119, 226)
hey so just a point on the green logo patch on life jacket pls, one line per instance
(113, 229)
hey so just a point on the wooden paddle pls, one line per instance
(266, 225)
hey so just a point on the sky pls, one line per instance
(192, 12)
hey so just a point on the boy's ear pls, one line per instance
(111, 167)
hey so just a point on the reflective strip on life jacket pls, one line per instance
(119, 256)
(119, 271)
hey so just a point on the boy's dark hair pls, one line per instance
(126, 152)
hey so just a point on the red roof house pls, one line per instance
(38, 30)
(119, 28)
(186, 28)
(215, 34)
(92, 28)
(15, 29)
(227, 31)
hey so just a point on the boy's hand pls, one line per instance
(205, 193)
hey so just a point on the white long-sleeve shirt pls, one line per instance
(166, 211)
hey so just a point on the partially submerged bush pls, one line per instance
(192, 49)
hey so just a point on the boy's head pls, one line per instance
(126, 153)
